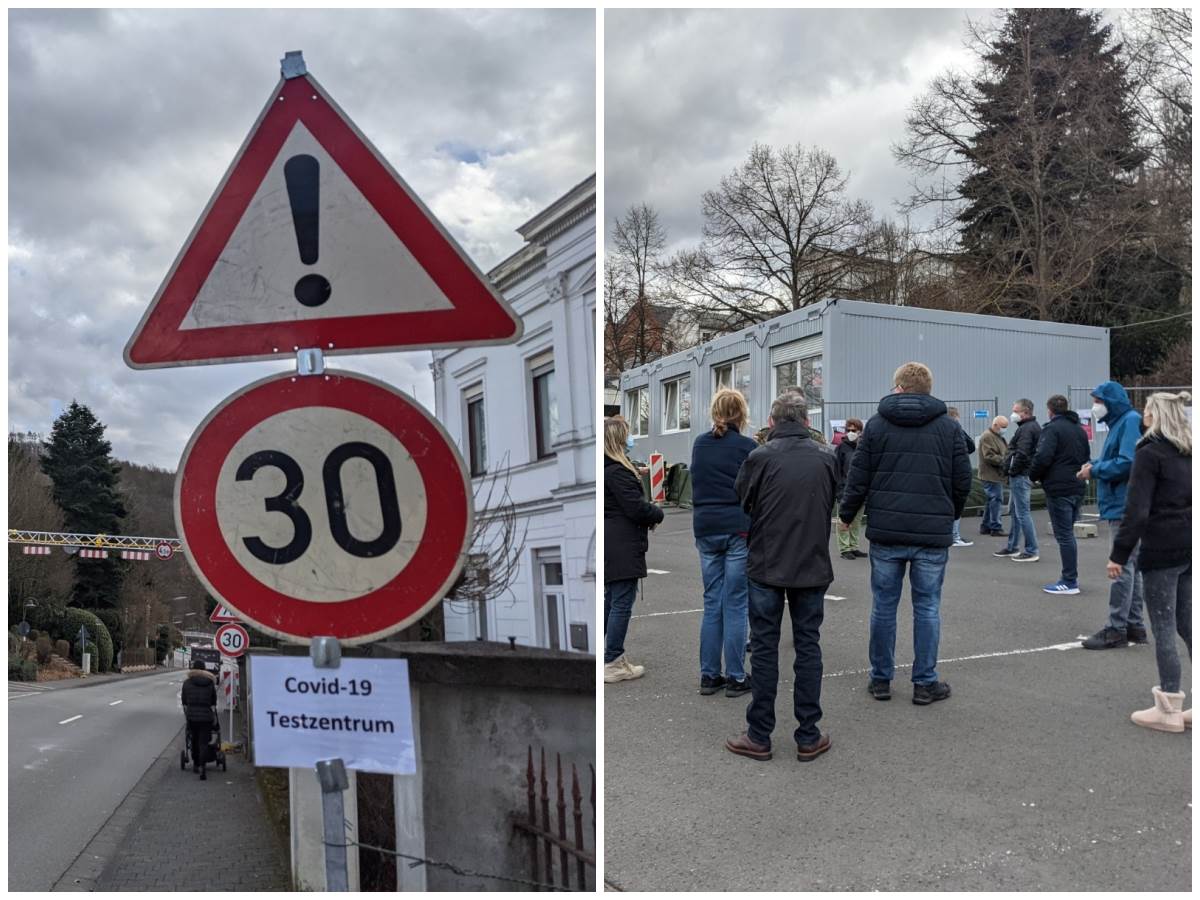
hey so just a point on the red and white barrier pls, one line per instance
(135, 554)
(658, 478)
(34, 550)
(93, 554)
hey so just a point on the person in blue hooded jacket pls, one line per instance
(1111, 406)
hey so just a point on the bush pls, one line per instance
(43, 649)
(14, 642)
(34, 634)
(21, 669)
(63, 649)
(72, 619)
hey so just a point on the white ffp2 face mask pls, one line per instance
(1099, 411)
(852, 436)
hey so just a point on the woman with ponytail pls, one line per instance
(628, 516)
(720, 528)
(1158, 513)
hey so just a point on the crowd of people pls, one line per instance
(762, 514)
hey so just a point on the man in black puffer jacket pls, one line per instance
(199, 698)
(913, 472)
(1062, 450)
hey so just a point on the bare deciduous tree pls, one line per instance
(632, 314)
(780, 233)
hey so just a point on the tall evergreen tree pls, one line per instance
(85, 486)
(1051, 212)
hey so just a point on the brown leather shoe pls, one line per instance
(742, 745)
(805, 752)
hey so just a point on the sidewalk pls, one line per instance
(175, 832)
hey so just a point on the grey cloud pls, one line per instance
(122, 123)
(687, 92)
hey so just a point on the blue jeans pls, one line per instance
(726, 597)
(991, 511)
(1125, 599)
(1020, 488)
(618, 607)
(927, 569)
(1063, 513)
(807, 608)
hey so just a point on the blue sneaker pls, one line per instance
(1062, 587)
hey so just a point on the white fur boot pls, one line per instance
(1165, 715)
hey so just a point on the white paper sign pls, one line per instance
(359, 712)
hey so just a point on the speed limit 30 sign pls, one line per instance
(324, 505)
(232, 640)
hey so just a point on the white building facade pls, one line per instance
(523, 415)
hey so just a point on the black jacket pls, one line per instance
(843, 453)
(1158, 507)
(1022, 447)
(787, 486)
(628, 516)
(199, 696)
(912, 471)
(1062, 449)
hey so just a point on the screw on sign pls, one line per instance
(232, 640)
(324, 505)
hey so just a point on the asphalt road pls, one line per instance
(73, 756)
(1030, 777)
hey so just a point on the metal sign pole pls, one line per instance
(326, 653)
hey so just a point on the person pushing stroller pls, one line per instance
(199, 698)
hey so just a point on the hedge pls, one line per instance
(67, 628)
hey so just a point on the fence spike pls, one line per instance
(577, 815)
(546, 822)
(564, 867)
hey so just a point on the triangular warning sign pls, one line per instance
(223, 614)
(312, 240)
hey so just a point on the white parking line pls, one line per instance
(72, 719)
(115, 702)
(680, 612)
(1070, 646)
(658, 572)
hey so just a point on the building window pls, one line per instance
(545, 406)
(637, 411)
(552, 600)
(734, 374)
(677, 404)
(476, 430)
(805, 375)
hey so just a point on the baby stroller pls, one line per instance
(212, 751)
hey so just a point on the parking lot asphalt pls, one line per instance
(1030, 777)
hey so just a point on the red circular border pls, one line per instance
(416, 587)
(232, 625)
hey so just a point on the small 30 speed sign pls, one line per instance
(324, 505)
(232, 640)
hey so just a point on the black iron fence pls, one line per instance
(554, 858)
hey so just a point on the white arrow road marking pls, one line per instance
(115, 702)
(72, 719)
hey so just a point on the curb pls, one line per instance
(89, 865)
(93, 680)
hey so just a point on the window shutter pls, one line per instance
(805, 347)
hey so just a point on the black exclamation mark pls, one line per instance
(303, 176)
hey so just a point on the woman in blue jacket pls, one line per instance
(720, 528)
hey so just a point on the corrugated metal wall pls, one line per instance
(991, 359)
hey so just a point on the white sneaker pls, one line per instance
(620, 670)
(961, 543)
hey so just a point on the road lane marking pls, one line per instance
(72, 719)
(115, 702)
(680, 612)
(1070, 646)
(657, 572)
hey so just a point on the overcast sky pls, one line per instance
(121, 124)
(688, 92)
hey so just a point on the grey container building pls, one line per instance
(843, 354)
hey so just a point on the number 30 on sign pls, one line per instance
(232, 640)
(324, 505)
